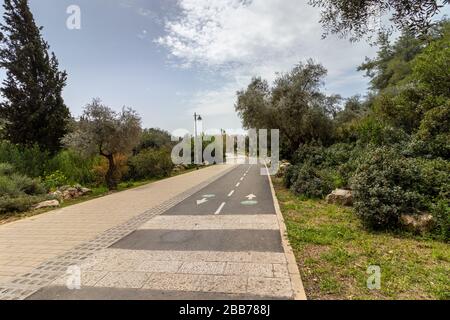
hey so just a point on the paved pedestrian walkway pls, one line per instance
(212, 234)
(27, 243)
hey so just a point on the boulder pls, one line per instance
(340, 196)
(284, 164)
(85, 191)
(178, 168)
(420, 223)
(57, 194)
(68, 192)
(71, 193)
(47, 204)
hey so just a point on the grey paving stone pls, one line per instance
(202, 267)
(276, 287)
(249, 269)
(123, 280)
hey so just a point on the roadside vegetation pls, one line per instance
(391, 149)
(366, 180)
(334, 250)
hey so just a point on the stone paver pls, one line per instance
(165, 251)
(28, 243)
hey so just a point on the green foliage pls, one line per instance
(356, 19)
(373, 131)
(434, 179)
(30, 161)
(76, 167)
(15, 184)
(295, 105)
(55, 180)
(441, 214)
(33, 106)
(102, 131)
(388, 184)
(6, 169)
(384, 187)
(431, 69)
(310, 182)
(154, 138)
(393, 62)
(18, 192)
(401, 107)
(151, 163)
(20, 203)
(433, 137)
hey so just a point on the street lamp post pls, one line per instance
(197, 144)
(198, 118)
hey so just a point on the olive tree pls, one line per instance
(356, 18)
(295, 105)
(104, 132)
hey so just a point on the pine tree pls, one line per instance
(32, 106)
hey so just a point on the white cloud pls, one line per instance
(242, 38)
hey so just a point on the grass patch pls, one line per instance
(333, 252)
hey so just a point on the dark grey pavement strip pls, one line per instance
(46, 273)
(203, 240)
(94, 293)
(253, 183)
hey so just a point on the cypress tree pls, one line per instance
(32, 108)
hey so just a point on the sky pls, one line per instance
(170, 58)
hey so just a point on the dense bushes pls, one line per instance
(309, 181)
(393, 150)
(384, 187)
(34, 162)
(18, 192)
(441, 214)
(28, 161)
(151, 163)
(318, 170)
(388, 184)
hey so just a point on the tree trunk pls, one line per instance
(110, 179)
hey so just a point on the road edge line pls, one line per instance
(294, 273)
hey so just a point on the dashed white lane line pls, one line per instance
(220, 208)
(231, 193)
(238, 184)
(242, 178)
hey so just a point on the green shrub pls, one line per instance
(433, 137)
(8, 187)
(28, 185)
(150, 163)
(441, 214)
(29, 161)
(19, 203)
(55, 180)
(73, 166)
(16, 184)
(313, 153)
(290, 176)
(434, 179)
(6, 169)
(384, 187)
(372, 131)
(311, 182)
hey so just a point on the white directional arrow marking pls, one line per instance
(251, 196)
(202, 201)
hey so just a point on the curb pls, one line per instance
(294, 273)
